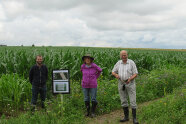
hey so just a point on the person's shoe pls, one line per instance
(94, 104)
(33, 107)
(126, 114)
(134, 116)
(87, 105)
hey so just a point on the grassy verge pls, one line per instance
(158, 83)
(168, 110)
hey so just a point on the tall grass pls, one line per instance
(159, 82)
(14, 90)
(168, 110)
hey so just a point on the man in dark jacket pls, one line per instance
(38, 76)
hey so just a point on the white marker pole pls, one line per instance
(62, 98)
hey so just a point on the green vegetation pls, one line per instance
(20, 59)
(14, 90)
(159, 82)
(160, 73)
(168, 110)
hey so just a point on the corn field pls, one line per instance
(15, 63)
(19, 60)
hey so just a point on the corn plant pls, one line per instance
(13, 91)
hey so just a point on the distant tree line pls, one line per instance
(2, 45)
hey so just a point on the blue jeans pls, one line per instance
(90, 92)
(35, 91)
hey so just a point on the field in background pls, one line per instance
(20, 59)
(160, 72)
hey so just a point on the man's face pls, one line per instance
(39, 60)
(124, 56)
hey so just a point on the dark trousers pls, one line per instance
(38, 90)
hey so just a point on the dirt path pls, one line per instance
(115, 116)
(111, 118)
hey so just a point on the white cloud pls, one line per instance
(127, 23)
(2, 14)
(147, 38)
(12, 8)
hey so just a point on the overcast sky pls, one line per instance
(97, 23)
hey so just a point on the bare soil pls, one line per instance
(111, 118)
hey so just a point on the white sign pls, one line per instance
(61, 83)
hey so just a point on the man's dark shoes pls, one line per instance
(124, 120)
(134, 116)
(126, 114)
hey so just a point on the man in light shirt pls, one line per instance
(125, 71)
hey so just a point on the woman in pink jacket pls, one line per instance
(90, 73)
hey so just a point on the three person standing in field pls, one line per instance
(125, 71)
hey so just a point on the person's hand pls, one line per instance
(117, 76)
(128, 81)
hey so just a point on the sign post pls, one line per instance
(61, 98)
(61, 83)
